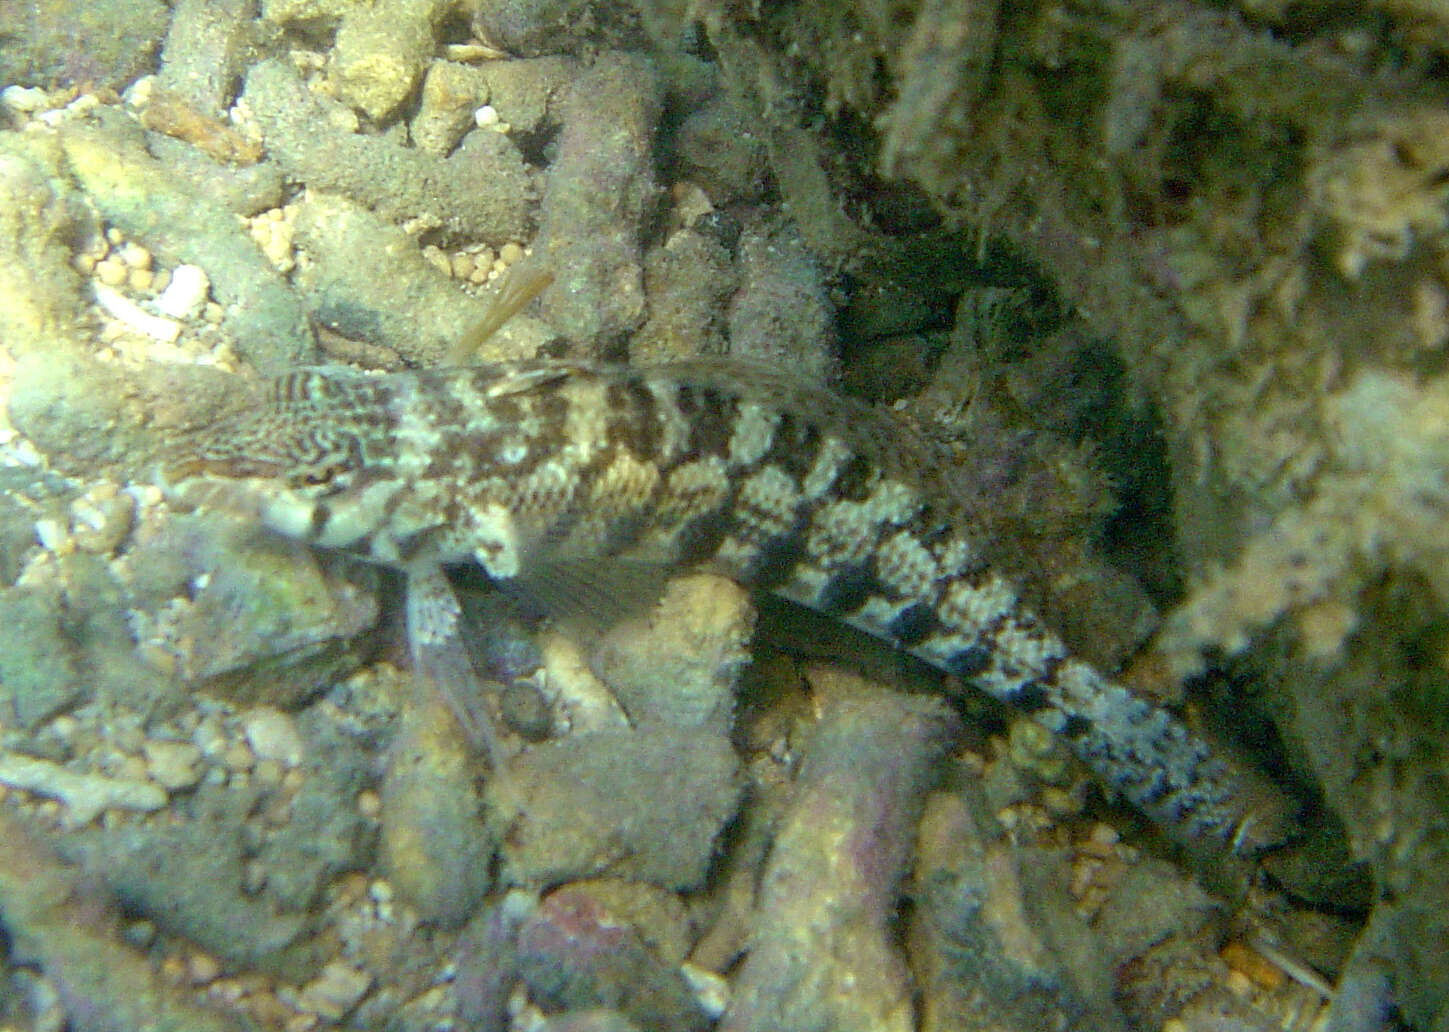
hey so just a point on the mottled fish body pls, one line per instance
(781, 487)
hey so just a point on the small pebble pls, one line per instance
(335, 991)
(1239, 984)
(349, 889)
(463, 266)
(1033, 748)
(279, 814)
(526, 711)
(130, 768)
(140, 279)
(1101, 842)
(210, 737)
(485, 116)
(436, 257)
(140, 934)
(237, 757)
(53, 535)
(140, 92)
(134, 255)
(1248, 962)
(510, 253)
(202, 968)
(1064, 802)
(173, 765)
(369, 804)
(268, 773)
(173, 969)
(254, 876)
(273, 735)
(101, 518)
(711, 991)
(1084, 875)
(112, 272)
(226, 991)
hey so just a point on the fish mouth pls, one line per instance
(196, 483)
(172, 472)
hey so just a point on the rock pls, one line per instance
(205, 46)
(57, 922)
(647, 805)
(573, 954)
(467, 198)
(681, 664)
(435, 849)
(181, 225)
(186, 875)
(526, 92)
(323, 833)
(487, 962)
(17, 529)
(39, 675)
(598, 193)
(781, 314)
(822, 956)
(41, 218)
(719, 152)
(379, 52)
(92, 45)
(366, 280)
(530, 28)
(96, 604)
(994, 930)
(451, 94)
(246, 607)
(687, 281)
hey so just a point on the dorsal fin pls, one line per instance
(521, 284)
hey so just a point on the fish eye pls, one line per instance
(320, 476)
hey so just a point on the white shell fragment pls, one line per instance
(85, 795)
(133, 315)
(186, 294)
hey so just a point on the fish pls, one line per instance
(533, 466)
